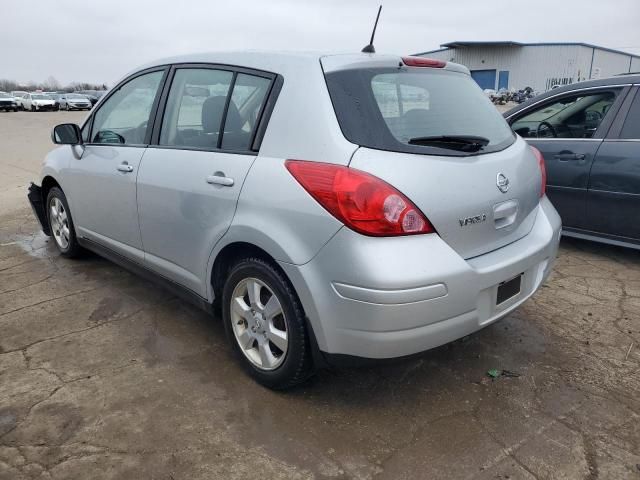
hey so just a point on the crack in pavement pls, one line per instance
(48, 300)
(19, 264)
(64, 384)
(28, 285)
(62, 335)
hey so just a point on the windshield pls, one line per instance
(75, 95)
(4, 95)
(39, 96)
(417, 110)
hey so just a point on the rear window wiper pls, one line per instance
(463, 143)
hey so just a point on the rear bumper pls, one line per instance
(392, 297)
(37, 205)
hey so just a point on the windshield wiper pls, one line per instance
(463, 143)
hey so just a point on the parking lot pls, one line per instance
(103, 375)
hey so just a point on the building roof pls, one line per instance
(510, 43)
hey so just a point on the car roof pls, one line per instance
(625, 79)
(261, 60)
(280, 62)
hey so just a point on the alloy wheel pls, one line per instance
(259, 324)
(59, 223)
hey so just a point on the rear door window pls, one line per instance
(195, 108)
(247, 100)
(213, 109)
(631, 127)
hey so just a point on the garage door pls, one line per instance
(484, 78)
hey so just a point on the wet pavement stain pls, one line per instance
(8, 421)
(106, 309)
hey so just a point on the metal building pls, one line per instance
(536, 65)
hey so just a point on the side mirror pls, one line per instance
(66, 134)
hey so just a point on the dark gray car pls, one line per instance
(589, 134)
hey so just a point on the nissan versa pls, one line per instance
(331, 206)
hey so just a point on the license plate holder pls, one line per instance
(508, 289)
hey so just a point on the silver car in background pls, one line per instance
(73, 101)
(332, 207)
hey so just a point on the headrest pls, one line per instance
(212, 110)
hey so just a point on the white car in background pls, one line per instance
(17, 96)
(38, 101)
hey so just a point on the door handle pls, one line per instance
(569, 156)
(218, 178)
(125, 167)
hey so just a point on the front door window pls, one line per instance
(576, 116)
(124, 117)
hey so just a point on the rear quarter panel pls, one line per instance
(303, 124)
(277, 215)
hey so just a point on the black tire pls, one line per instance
(73, 249)
(297, 365)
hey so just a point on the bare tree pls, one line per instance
(51, 83)
(7, 85)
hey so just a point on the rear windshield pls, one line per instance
(417, 110)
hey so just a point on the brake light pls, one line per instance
(361, 201)
(543, 171)
(423, 62)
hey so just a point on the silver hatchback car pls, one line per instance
(332, 207)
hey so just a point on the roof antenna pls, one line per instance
(370, 48)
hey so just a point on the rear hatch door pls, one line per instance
(430, 132)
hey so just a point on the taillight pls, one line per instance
(423, 62)
(543, 170)
(361, 201)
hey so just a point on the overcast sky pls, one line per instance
(100, 41)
